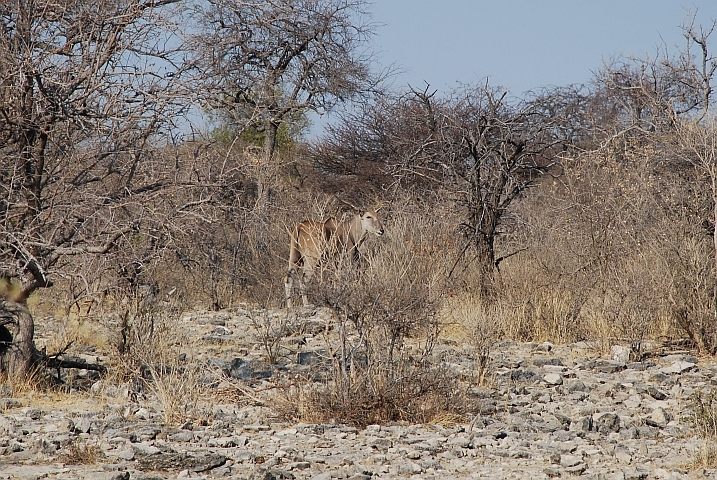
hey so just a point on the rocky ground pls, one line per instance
(547, 411)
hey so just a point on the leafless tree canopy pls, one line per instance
(477, 145)
(84, 91)
(652, 94)
(263, 61)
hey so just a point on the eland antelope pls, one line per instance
(313, 241)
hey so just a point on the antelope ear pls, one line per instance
(378, 207)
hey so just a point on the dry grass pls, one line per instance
(705, 456)
(21, 385)
(179, 390)
(81, 452)
(704, 418)
(84, 332)
(480, 325)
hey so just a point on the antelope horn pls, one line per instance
(347, 203)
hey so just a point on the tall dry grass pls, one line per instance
(479, 325)
(385, 324)
(704, 419)
(614, 254)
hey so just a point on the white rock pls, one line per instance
(570, 460)
(677, 367)
(620, 353)
(553, 379)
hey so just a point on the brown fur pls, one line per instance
(312, 241)
(11, 291)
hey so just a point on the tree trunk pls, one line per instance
(263, 177)
(485, 218)
(485, 252)
(713, 330)
(18, 355)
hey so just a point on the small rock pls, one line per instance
(584, 424)
(551, 472)
(660, 416)
(310, 358)
(522, 375)
(680, 357)
(550, 361)
(575, 386)
(553, 379)
(65, 425)
(113, 476)
(223, 442)
(413, 455)
(620, 353)
(544, 347)
(635, 475)
(409, 468)
(126, 454)
(184, 436)
(564, 420)
(606, 422)
(622, 455)
(142, 413)
(322, 476)
(145, 449)
(655, 393)
(605, 366)
(82, 425)
(570, 460)
(677, 367)
(576, 470)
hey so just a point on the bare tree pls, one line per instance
(664, 103)
(650, 95)
(268, 61)
(478, 146)
(85, 89)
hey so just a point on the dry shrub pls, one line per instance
(537, 306)
(271, 329)
(597, 264)
(151, 356)
(81, 452)
(27, 383)
(415, 394)
(691, 289)
(179, 387)
(704, 418)
(481, 323)
(386, 320)
(143, 334)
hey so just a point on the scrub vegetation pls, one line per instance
(575, 213)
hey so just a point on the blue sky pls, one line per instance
(522, 44)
